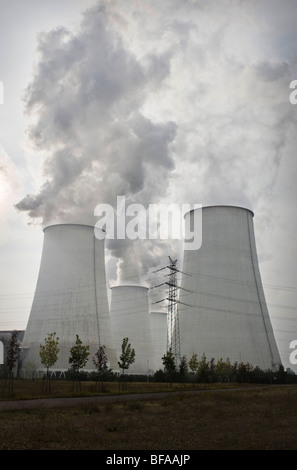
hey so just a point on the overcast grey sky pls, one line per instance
(174, 101)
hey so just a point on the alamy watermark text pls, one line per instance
(157, 221)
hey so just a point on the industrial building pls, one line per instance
(5, 337)
(223, 312)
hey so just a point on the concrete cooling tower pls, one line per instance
(129, 311)
(70, 298)
(223, 312)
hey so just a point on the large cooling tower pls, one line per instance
(223, 312)
(70, 297)
(129, 311)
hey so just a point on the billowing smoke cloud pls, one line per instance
(87, 95)
(162, 101)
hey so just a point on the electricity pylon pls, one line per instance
(173, 341)
(173, 337)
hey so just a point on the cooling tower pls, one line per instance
(223, 312)
(129, 311)
(158, 322)
(70, 298)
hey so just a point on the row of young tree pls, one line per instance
(78, 358)
(192, 370)
(210, 371)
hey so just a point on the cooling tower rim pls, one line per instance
(70, 224)
(215, 206)
(129, 285)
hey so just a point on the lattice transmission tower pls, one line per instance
(173, 336)
(173, 341)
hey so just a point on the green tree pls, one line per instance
(224, 370)
(194, 363)
(79, 355)
(212, 369)
(203, 369)
(101, 363)
(228, 369)
(183, 368)
(219, 369)
(12, 356)
(49, 355)
(234, 371)
(243, 371)
(169, 365)
(126, 359)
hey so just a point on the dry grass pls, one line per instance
(259, 418)
(28, 389)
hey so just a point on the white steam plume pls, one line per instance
(171, 101)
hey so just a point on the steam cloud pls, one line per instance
(162, 101)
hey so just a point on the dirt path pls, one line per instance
(74, 401)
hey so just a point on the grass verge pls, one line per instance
(261, 418)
